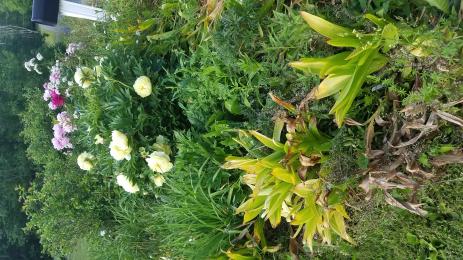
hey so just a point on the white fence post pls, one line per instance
(68, 8)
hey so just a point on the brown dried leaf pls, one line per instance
(411, 207)
(413, 167)
(302, 172)
(413, 110)
(453, 103)
(309, 161)
(447, 159)
(290, 107)
(450, 118)
(394, 136)
(369, 135)
(291, 125)
(372, 154)
(381, 122)
(352, 122)
(409, 142)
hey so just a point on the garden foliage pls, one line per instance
(174, 133)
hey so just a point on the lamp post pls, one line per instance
(46, 11)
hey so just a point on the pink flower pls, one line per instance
(56, 99)
(46, 95)
(64, 121)
(52, 106)
(61, 143)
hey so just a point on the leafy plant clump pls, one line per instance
(165, 135)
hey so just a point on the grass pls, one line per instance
(81, 251)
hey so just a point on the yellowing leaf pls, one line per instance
(331, 85)
(234, 162)
(312, 65)
(376, 20)
(284, 175)
(270, 143)
(345, 42)
(324, 27)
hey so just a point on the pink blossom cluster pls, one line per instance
(72, 48)
(51, 92)
(55, 74)
(53, 95)
(64, 126)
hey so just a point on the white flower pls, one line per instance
(36, 68)
(82, 77)
(119, 146)
(102, 233)
(39, 56)
(99, 139)
(84, 161)
(159, 162)
(126, 184)
(143, 86)
(158, 180)
(27, 65)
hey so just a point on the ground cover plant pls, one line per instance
(251, 130)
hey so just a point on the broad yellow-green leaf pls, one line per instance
(259, 232)
(320, 65)
(390, 35)
(309, 65)
(376, 20)
(251, 214)
(306, 188)
(233, 162)
(310, 230)
(331, 85)
(269, 142)
(145, 25)
(442, 5)
(348, 93)
(238, 256)
(357, 52)
(274, 204)
(341, 210)
(279, 124)
(251, 208)
(345, 42)
(378, 62)
(162, 36)
(284, 175)
(338, 225)
(324, 27)
(303, 216)
(333, 61)
(272, 160)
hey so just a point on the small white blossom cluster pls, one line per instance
(32, 65)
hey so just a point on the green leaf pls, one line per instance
(233, 162)
(320, 65)
(161, 36)
(270, 143)
(390, 35)
(145, 25)
(284, 175)
(345, 42)
(376, 20)
(278, 128)
(442, 5)
(331, 85)
(233, 106)
(324, 27)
